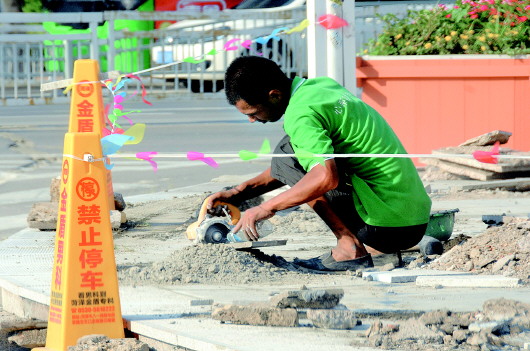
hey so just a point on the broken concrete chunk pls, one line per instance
(333, 319)
(54, 189)
(460, 335)
(434, 317)
(43, 215)
(256, 315)
(489, 138)
(494, 327)
(29, 338)
(499, 265)
(413, 329)
(9, 322)
(327, 298)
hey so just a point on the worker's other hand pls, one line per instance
(247, 223)
(229, 196)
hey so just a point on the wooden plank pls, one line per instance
(255, 244)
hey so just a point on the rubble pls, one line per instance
(327, 298)
(256, 315)
(496, 327)
(29, 338)
(43, 215)
(501, 250)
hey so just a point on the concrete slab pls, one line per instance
(405, 275)
(472, 281)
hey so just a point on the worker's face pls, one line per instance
(271, 111)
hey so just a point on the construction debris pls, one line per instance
(488, 139)
(256, 315)
(43, 215)
(471, 168)
(306, 298)
(503, 249)
(502, 324)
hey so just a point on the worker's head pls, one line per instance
(258, 88)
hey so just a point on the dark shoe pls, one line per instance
(326, 262)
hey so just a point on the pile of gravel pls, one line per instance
(210, 264)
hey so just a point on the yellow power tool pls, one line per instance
(213, 229)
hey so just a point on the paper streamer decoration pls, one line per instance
(273, 35)
(113, 142)
(487, 156)
(246, 155)
(144, 92)
(307, 154)
(137, 131)
(265, 147)
(199, 156)
(303, 25)
(332, 22)
(147, 156)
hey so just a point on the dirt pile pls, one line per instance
(211, 264)
(501, 249)
(501, 325)
(103, 343)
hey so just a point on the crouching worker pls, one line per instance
(372, 205)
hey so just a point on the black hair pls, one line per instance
(250, 78)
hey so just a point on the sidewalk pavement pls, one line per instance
(160, 315)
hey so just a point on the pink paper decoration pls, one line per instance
(487, 156)
(332, 22)
(147, 156)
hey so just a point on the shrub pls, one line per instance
(467, 27)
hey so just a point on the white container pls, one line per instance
(264, 228)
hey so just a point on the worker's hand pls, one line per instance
(247, 223)
(229, 196)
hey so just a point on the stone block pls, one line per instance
(488, 138)
(326, 298)
(43, 215)
(256, 315)
(333, 319)
(469, 281)
(406, 275)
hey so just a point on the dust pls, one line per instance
(498, 250)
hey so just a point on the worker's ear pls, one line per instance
(275, 96)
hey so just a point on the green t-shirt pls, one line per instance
(325, 118)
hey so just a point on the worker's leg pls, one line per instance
(335, 208)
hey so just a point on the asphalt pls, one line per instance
(169, 316)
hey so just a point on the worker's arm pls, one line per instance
(319, 180)
(249, 189)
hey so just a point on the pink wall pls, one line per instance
(434, 103)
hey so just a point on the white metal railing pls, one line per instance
(30, 56)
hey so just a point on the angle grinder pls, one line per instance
(211, 229)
